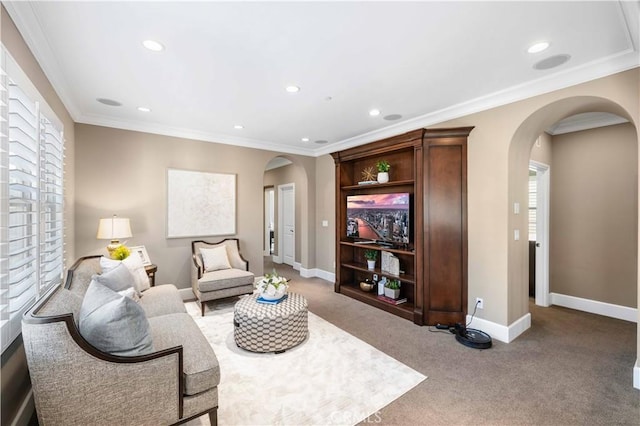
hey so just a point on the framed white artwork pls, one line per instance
(200, 204)
(141, 251)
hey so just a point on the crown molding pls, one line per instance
(31, 30)
(604, 67)
(180, 132)
(585, 121)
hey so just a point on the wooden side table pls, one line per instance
(151, 273)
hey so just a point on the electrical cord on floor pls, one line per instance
(474, 312)
(451, 330)
(432, 330)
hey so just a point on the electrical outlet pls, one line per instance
(479, 303)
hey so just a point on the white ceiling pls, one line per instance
(228, 63)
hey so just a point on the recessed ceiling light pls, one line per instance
(321, 142)
(153, 45)
(392, 117)
(292, 89)
(374, 112)
(144, 109)
(238, 126)
(305, 139)
(109, 102)
(538, 47)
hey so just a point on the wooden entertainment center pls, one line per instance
(431, 166)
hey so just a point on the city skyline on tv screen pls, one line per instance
(380, 217)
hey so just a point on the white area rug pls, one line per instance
(332, 378)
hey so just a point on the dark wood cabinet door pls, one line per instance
(445, 230)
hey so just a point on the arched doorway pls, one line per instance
(286, 228)
(518, 176)
(590, 200)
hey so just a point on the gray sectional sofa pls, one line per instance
(74, 383)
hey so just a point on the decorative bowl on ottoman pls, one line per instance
(272, 286)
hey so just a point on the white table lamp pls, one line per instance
(114, 228)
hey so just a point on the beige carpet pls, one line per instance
(332, 378)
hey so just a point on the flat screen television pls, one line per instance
(379, 217)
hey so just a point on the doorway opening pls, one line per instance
(538, 211)
(269, 221)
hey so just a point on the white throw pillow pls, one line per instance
(215, 258)
(135, 266)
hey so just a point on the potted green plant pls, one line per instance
(392, 288)
(383, 167)
(371, 256)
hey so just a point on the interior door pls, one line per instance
(288, 215)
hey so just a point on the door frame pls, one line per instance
(543, 182)
(269, 210)
(281, 188)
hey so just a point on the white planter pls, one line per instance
(371, 264)
(383, 177)
(394, 294)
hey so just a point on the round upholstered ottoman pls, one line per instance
(260, 327)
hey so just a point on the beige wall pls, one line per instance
(325, 193)
(594, 215)
(123, 172)
(15, 382)
(498, 156)
(541, 150)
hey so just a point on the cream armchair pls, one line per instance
(218, 280)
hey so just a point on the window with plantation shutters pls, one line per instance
(31, 185)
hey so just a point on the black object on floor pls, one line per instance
(472, 338)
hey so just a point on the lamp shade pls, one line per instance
(114, 228)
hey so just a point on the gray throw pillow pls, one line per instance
(114, 323)
(117, 279)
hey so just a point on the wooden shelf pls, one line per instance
(430, 165)
(404, 310)
(380, 185)
(363, 268)
(374, 246)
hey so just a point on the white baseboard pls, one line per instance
(315, 272)
(297, 265)
(503, 333)
(595, 307)
(636, 374)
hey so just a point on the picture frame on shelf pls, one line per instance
(142, 252)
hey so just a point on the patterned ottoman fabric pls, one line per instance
(260, 327)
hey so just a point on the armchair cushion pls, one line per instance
(228, 278)
(114, 323)
(215, 259)
(200, 369)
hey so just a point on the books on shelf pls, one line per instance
(390, 263)
(393, 301)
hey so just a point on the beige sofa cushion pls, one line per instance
(201, 370)
(226, 278)
(161, 300)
